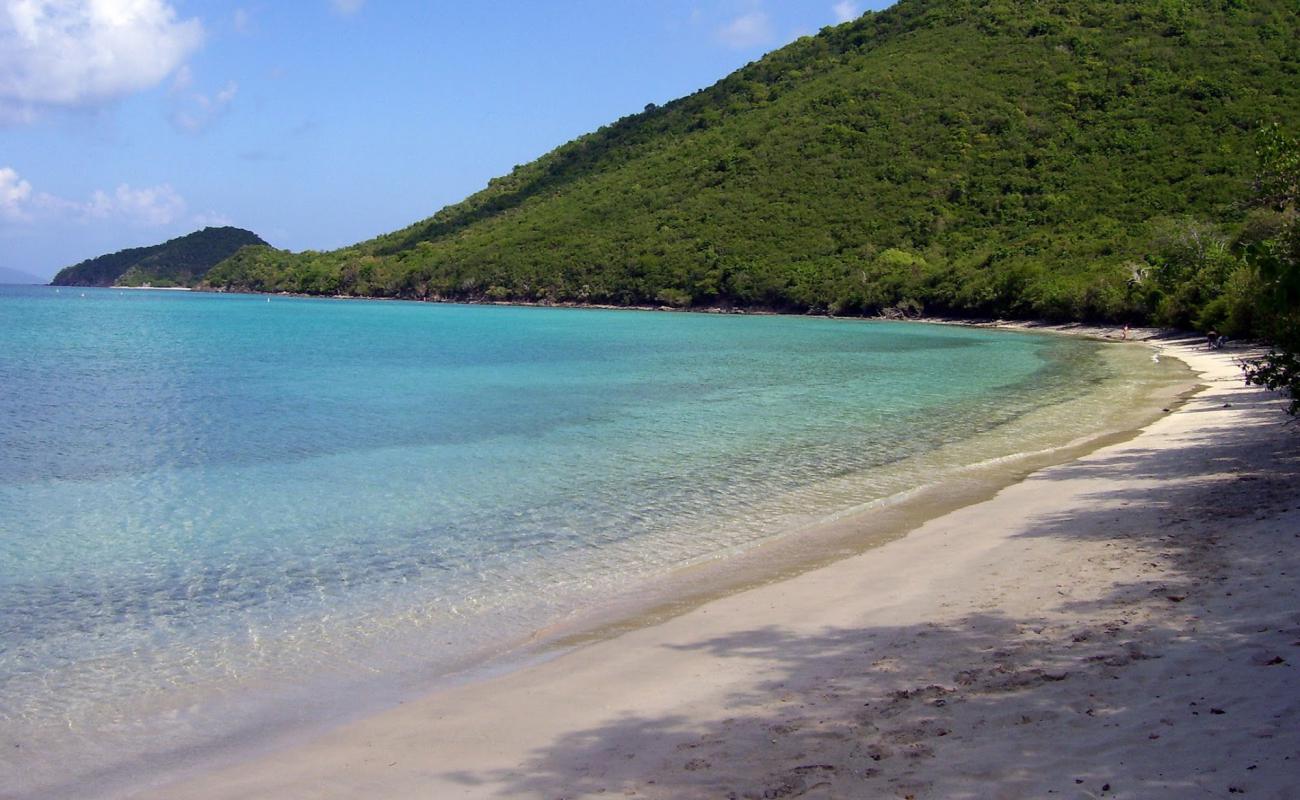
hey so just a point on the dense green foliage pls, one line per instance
(1080, 160)
(1271, 267)
(183, 261)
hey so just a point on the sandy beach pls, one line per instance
(1123, 625)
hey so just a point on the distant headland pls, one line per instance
(179, 262)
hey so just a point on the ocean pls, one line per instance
(224, 514)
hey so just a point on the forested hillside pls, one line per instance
(178, 262)
(1083, 159)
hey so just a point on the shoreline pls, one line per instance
(851, 532)
(796, 551)
(328, 765)
(1091, 330)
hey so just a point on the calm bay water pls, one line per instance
(213, 506)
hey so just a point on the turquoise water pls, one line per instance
(213, 506)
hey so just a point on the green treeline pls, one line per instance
(183, 261)
(1062, 160)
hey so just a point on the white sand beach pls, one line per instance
(1124, 625)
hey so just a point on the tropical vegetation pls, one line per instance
(1267, 280)
(183, 261)
(1083, 160)
(965, 156)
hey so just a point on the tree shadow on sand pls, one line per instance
(869, 711)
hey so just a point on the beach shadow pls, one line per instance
(858, 712)
(814, 728)
(871, 712)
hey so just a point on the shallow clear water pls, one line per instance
(209, 503)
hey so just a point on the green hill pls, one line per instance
(965, 156)
(179, 262)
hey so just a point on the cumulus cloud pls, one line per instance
(347, 7)
(846, 10)
(14, 194)
(78, 53)
(197, 112)
(150, 206)
(747, 30)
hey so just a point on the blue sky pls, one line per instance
(318, 123)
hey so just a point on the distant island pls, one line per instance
(183, 261)
(18, 277)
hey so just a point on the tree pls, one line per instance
(1277, 263)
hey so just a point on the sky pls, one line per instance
(319, 123)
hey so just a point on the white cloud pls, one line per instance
(243, 21)
(14, 194)
(78, 53)
(846, 10)
(747, 30)
(212, 219)
(198, 112)
(150, 206)
(347, 7)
